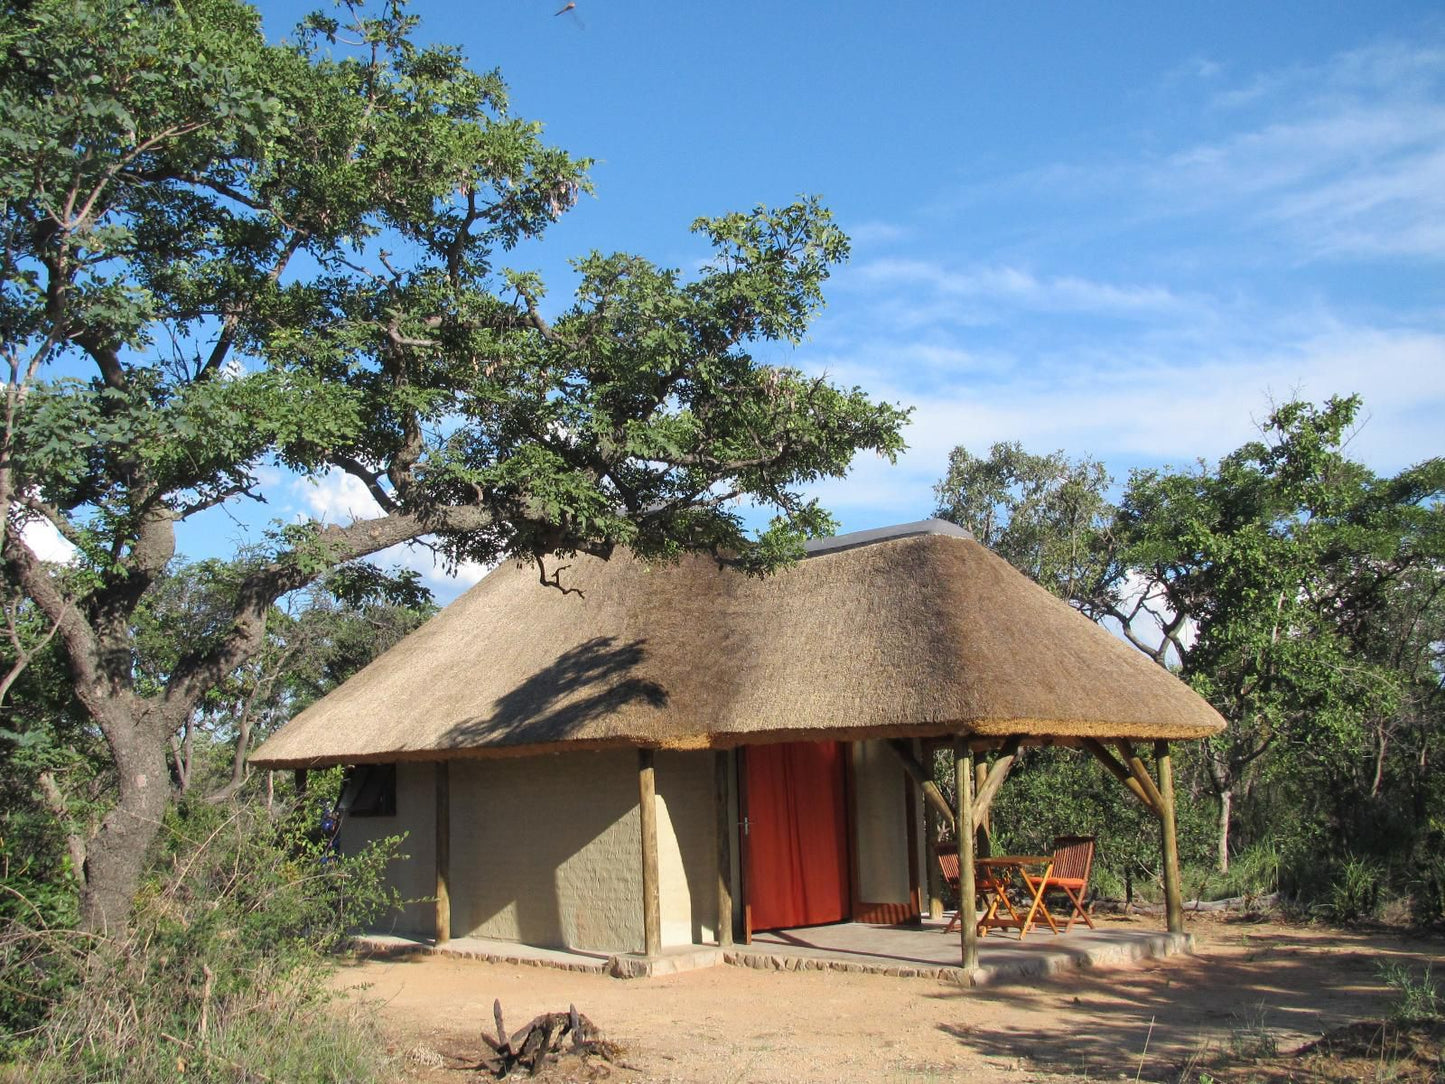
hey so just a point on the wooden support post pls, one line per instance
(724, 850)
(300, 778)
(935, 875)
(647, 806)
(1119, 772)
(1173, 898)
(1140, 771)
(967, 904)
(993, 778)
(916, 771)
(982, 824)
(443, 851)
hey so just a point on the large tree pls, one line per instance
(1303, 577)
(1298, 591)
(220, 253)
(1046, 515)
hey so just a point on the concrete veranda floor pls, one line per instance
(923, 951)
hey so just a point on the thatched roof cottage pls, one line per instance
(610, 768)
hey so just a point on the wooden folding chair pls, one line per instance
(1073, 858)
(987, 883)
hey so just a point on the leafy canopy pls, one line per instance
(221, 254)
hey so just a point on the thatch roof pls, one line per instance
(909, 631)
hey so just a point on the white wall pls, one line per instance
(882, 825)
(414, 876)
(687, 847)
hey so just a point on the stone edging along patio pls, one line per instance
(1033, 961)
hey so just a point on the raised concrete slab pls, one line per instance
(481, 948)
(673, 960)
(927, 952)
(908, 952)
(621, 965)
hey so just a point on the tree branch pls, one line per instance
(332, 546)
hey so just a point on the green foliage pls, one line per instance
(223, 970)
(1052, 792)
(1352, 892)
(1252, 873)
(1302, 595)
(1427, 893)
(220, 255)
(1416, 1000)
(1045, 515)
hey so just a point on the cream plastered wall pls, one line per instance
(547, 850)
(415, 875)
(687, 847)
(882, 825)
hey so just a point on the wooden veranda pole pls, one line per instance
(1173, 899)
(935, 875)
(443, 851)
(967, 910)
(724, 850)
(983, 826)
(647, 806)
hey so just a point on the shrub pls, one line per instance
(221, 976)
(1427, 894)
(1415, 1000)
(1353, 893)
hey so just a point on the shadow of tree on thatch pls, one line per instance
(589, 681)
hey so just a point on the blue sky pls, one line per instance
(1117, 230)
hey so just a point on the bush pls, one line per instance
(1427, 895)
(1415, 1000)
(1252, 873)
(221, 976)
(1353, 893)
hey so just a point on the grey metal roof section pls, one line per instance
(884, 534)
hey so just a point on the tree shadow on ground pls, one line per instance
(1274, 991)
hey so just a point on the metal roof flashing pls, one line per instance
(819, 546)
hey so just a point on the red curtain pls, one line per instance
(797, 834)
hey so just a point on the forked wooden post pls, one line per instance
(647, 806)
(724, 850)
(967, 911)
(444, 851)
(1173, 898)
(983, 826)
(935, 875)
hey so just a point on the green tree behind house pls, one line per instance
(1302, 594)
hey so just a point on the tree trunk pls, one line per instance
(1226, 808)
(116, 857)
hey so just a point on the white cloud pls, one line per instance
(875, 234)
(1147, 305)
(46, 542)
(338, 497)
(1347, 158)
(1159, 402)
(1004, 284)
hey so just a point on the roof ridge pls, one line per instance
(819, 546)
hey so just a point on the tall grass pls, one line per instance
(221, 975)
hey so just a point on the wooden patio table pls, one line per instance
(1010, 867)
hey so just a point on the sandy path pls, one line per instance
(737, 1024)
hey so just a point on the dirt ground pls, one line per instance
(1239, 1009)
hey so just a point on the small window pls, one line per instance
(369, 790)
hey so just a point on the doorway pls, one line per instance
(796, 835)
